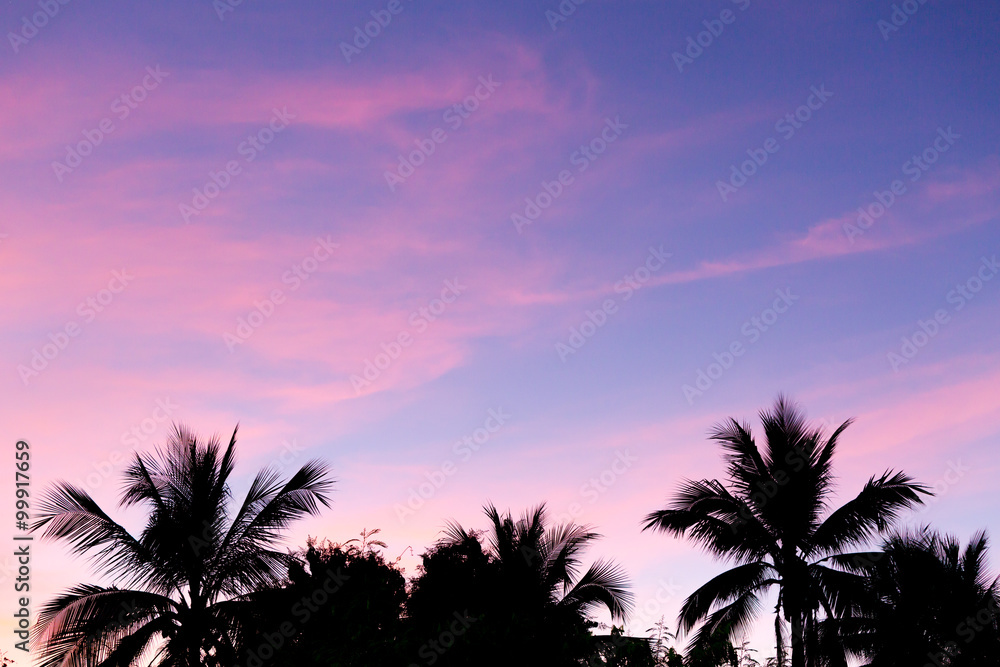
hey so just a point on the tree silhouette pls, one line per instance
(524, 588)
(768, 520)
(190, 578)
(716, 651)
(618, 650)
(542, 564)
(341, 606)
(928, 601)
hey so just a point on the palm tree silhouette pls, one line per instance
(769, 521)
(928, 601)
(525, 585)
(188, 580)
(542, 564)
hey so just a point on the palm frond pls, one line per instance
(188, 558)
(872, 511)
(604, 584)
(725, 588)
(88, 622)
(562, 548)
(69, 513)
(706, 512)
(269, 508)
(745, 465)
(730, 620)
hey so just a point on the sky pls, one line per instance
(514, 252)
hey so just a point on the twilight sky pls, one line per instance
(500, 251)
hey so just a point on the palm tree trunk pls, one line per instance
(196, 618)
(779, 641)
(798, 641)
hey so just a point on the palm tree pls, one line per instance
(929, 600)
(188, 581)
(769, 521)
(542, 564)
(525, 585)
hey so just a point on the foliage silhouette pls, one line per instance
(717, 651)
(341, 606)
(768, 520)
(926, 601)
(190, 580)
(618, 650)
(204, 585)
(523, 588)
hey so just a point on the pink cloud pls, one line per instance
(55, 108)
(968, 201)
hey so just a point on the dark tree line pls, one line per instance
(514, 594)
(205, 583)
